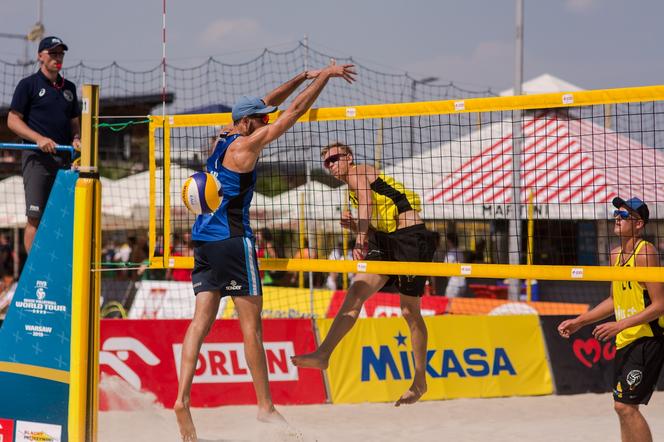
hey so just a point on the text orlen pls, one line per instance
(443, 363)
(225, 362)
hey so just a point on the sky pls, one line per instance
(594, 44)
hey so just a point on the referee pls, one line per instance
(44, 111)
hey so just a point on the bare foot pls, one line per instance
(311, 360)
(185, 422)
(413, 395)
(270, 416)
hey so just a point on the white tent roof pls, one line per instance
(545, 83)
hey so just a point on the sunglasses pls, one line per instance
(265, 118)
(333, 159)
(623, 214)
(55, 54)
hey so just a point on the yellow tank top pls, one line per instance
(389, 198)
(630, 298)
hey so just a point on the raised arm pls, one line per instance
(301, 104)
(279, 95)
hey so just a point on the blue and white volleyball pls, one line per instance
(201, 193)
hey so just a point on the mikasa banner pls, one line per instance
(467, 356)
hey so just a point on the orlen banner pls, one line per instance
(481, 356)
(146, 354)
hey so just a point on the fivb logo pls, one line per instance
(220, 363)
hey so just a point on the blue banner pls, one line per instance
(35, 336)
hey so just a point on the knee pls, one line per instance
(202, 324)
(625, 411)
(410, 314)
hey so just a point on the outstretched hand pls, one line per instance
(345, 71)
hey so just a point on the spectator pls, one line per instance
(334, 279)
(183, 247)
(265, 249)
(456, 285)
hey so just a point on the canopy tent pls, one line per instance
(12, 206)
(543, 84)
(317, 203)
(572, 167)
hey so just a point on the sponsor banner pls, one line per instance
(6, 430)
(388, 305)
(580, 364)
(484, 306)
(37, 432)
(146, 354)
(176, 300)
(484, 356)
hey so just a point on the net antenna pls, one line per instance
(163, 58)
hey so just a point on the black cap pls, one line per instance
(50, 43)
(634, 205)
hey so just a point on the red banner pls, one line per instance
(146, 355)
(6, 430)
(382, 305)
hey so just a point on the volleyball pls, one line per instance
(201, 193)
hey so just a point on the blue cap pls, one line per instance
(246, 106)
(635, 205)
(50, 43)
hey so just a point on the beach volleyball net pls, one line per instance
(565, 156)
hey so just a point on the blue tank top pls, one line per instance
(232, 217)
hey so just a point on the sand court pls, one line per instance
(585, 417)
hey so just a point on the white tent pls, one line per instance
(544, 84)
(317, 203)
(12, 205)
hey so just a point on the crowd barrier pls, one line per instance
(468, 356)
(488, 354)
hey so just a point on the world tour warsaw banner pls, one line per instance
(485, 356)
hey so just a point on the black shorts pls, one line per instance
(39, 171)
(636, 370)
(229, 266)
(414, 243)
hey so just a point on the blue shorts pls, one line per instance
(229, 266)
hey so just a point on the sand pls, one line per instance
(585, 417)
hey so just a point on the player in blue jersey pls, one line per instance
(225, 261)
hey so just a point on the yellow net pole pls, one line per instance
(531, 237)
(302, 233)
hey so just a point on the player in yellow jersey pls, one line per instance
(388, 228)
(639, 324)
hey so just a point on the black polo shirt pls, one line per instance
(47, 108)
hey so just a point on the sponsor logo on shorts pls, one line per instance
(220, 363)
(634, 378)
(68, 95)
(198, 284)
(34, 208)
(37, 432)
(234, 286)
